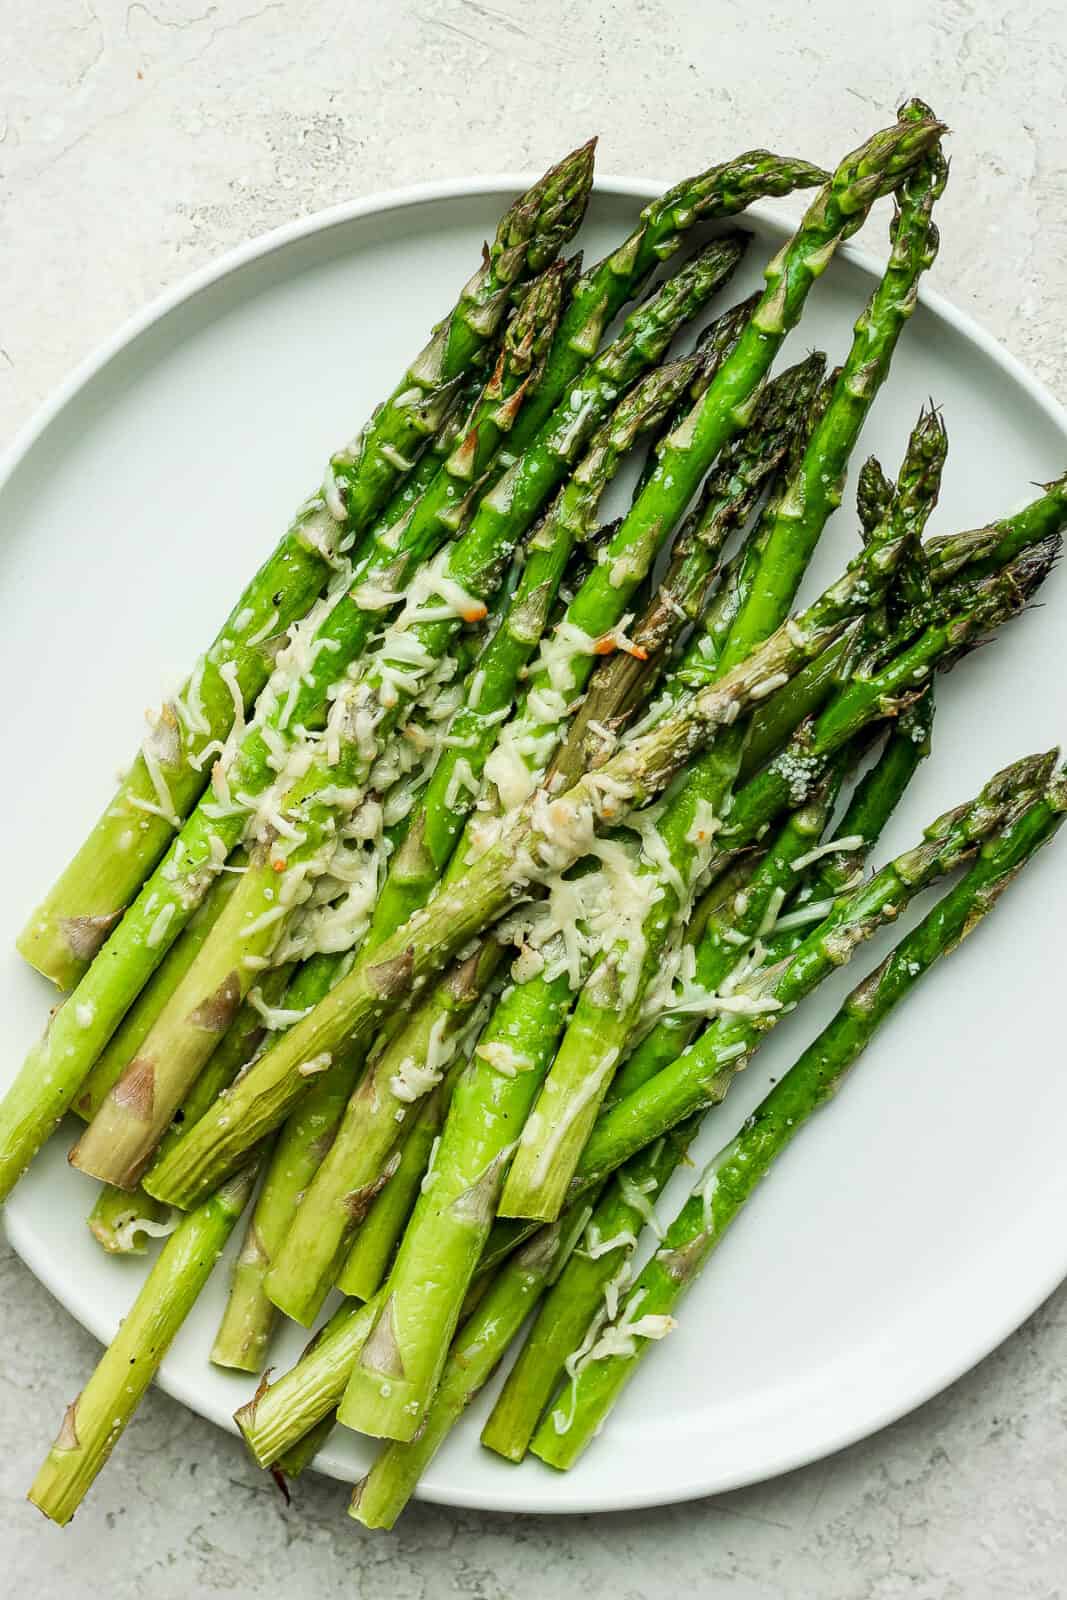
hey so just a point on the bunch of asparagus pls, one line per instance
(485, 843)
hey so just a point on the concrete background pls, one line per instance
(139, 138)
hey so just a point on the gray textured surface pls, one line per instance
(139, 139)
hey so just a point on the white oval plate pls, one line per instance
(911, 1227)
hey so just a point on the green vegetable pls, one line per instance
(94, 1422)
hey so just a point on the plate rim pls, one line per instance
(780, 222)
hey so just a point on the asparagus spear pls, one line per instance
(377, 1237)
(247, 1034)
(669, 1035)
(292, 1462)
(873, 494)
(726, 499)
(63, 934)
(702, 659)
(795, 517)
(818, 488)
(713, 343)
(543, 836)
(276, 989)
(396, 1374)
(134, 1027)
(473, 564)
(380, 1497)
(94, 1421)
(114, 1219)
(733, 1174)
(281, 1413)
(955, 562)
(883, 688)
(65, 931)
(247, 1323)
(122, 1219)
(985, 550)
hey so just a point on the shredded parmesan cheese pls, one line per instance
(275, 1017)
(412, 1080)
(265, 920)
(164, 804)
(263, 632)
(131, 1223)
(595, 1246)
(433, 583)
(462, 779)
(769, 920)
(637, 1195)
(503, 1058)
(760, 691)
(815, 911)
(601, 1343)
(157, 931)
(852, 841)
